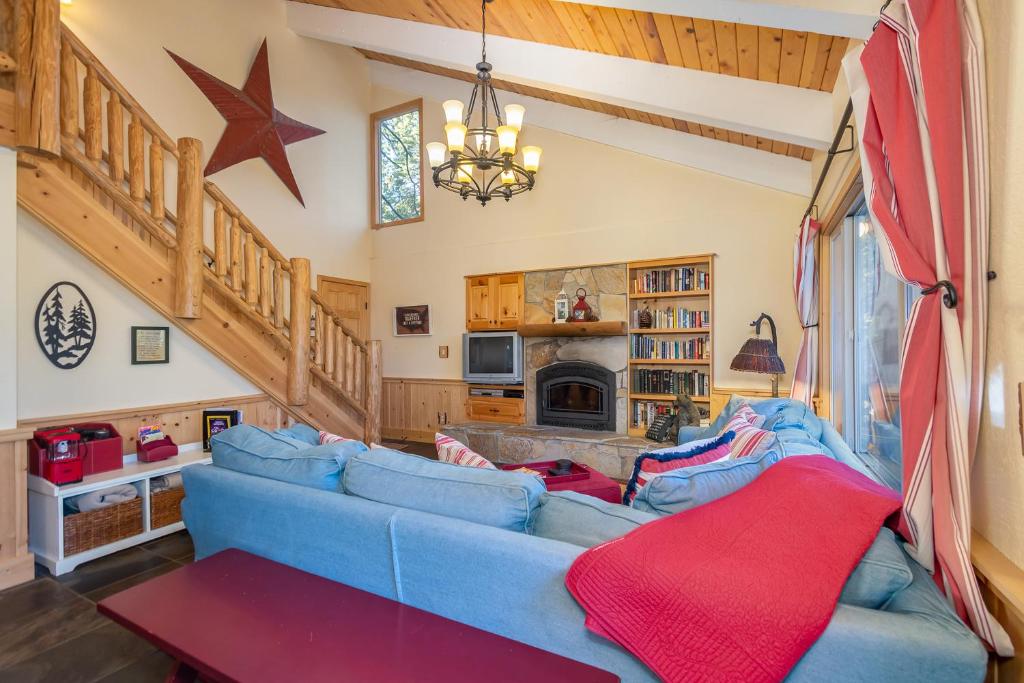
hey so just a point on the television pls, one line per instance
(492, 357)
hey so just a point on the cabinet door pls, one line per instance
(480, 299)
(495, 409)
(510, 300)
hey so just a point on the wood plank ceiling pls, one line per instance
(797, 58)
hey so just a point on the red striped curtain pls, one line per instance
(918, 88)
(805, 292)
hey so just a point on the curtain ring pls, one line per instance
(949, 296)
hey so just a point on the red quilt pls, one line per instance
(740, 588)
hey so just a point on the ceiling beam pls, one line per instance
(850, 18)
(780, 112)
(715, 156)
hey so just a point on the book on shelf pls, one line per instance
(643, 347)
(644, 412)
(674, 317)
(681, 279)
(671, 382)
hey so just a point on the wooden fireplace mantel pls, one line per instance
(603, 328)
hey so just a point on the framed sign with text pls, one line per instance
(412, 320)
(150, 345)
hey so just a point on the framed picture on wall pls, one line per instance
(150, 345)
(412, 321)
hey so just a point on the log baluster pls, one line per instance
(318, 330)
(156, 181)
(137, 160)
(339, 351)
(93, 115)
(252, 282)
(266, 296)
(278, 295)
(350, 365)
(115, 138)
(68, 91)
(328, 343)
(236, 254)
(220, 242)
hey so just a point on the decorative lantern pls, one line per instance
(645, 319)
(562, 312)
(581, 311)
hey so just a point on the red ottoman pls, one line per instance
(581, 479)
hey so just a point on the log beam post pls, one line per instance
(374, 388)
(188, 282)
(37, 85)
(298, 325)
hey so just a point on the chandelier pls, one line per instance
(480, 161)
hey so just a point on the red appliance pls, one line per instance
(64, 459)
(101, 446)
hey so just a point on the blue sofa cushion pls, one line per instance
(690, 487)
(584, 520)
(507, 500)
(882, 573)
(301, 432)
(252, 450)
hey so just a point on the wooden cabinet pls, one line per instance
(415, 409)
(494, 302)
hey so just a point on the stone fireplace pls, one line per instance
(576, 394)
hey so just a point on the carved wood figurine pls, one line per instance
(687, 415)
(255, 128)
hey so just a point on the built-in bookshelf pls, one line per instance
(674, 354)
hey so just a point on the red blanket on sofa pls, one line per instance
(740, 588)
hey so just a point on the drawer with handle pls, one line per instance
(496, 409)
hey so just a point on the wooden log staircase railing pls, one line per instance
(69, 97)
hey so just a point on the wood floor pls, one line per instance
(50, 631)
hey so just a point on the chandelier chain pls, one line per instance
(483, 30)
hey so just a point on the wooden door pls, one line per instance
(510, 297)
(480, 297)
(350, 300)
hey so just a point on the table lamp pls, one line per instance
(761, 355)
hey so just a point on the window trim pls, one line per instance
(375, 119)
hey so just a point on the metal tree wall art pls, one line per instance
(65, 331)
(255, 128)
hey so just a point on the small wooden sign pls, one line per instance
(150, 345)
(412, 320)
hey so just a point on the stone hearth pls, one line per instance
(609, 453)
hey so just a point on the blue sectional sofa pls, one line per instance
(492, 550)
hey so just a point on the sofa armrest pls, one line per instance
(691, 433)
(916, 638)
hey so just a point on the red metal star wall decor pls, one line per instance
(255, 128)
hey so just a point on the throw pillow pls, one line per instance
(749, 439)
(655, 463)
(327, 437)
(451, 451)
(690, 487)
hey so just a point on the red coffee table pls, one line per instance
(235, 616)
(581, 479)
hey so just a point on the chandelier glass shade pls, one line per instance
(479, 156)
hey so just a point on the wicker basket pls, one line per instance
(165, 507)
(87, 530)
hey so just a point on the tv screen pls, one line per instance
(491, 355)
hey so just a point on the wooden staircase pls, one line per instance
(241, 298)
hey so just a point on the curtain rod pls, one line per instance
(844, 124)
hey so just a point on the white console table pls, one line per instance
(46, 507)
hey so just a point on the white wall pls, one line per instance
(998, 477)
(318, 83)
(106, 379)
(592, 204)
(8, 290)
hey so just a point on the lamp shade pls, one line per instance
(758, 355)
(437, 152)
